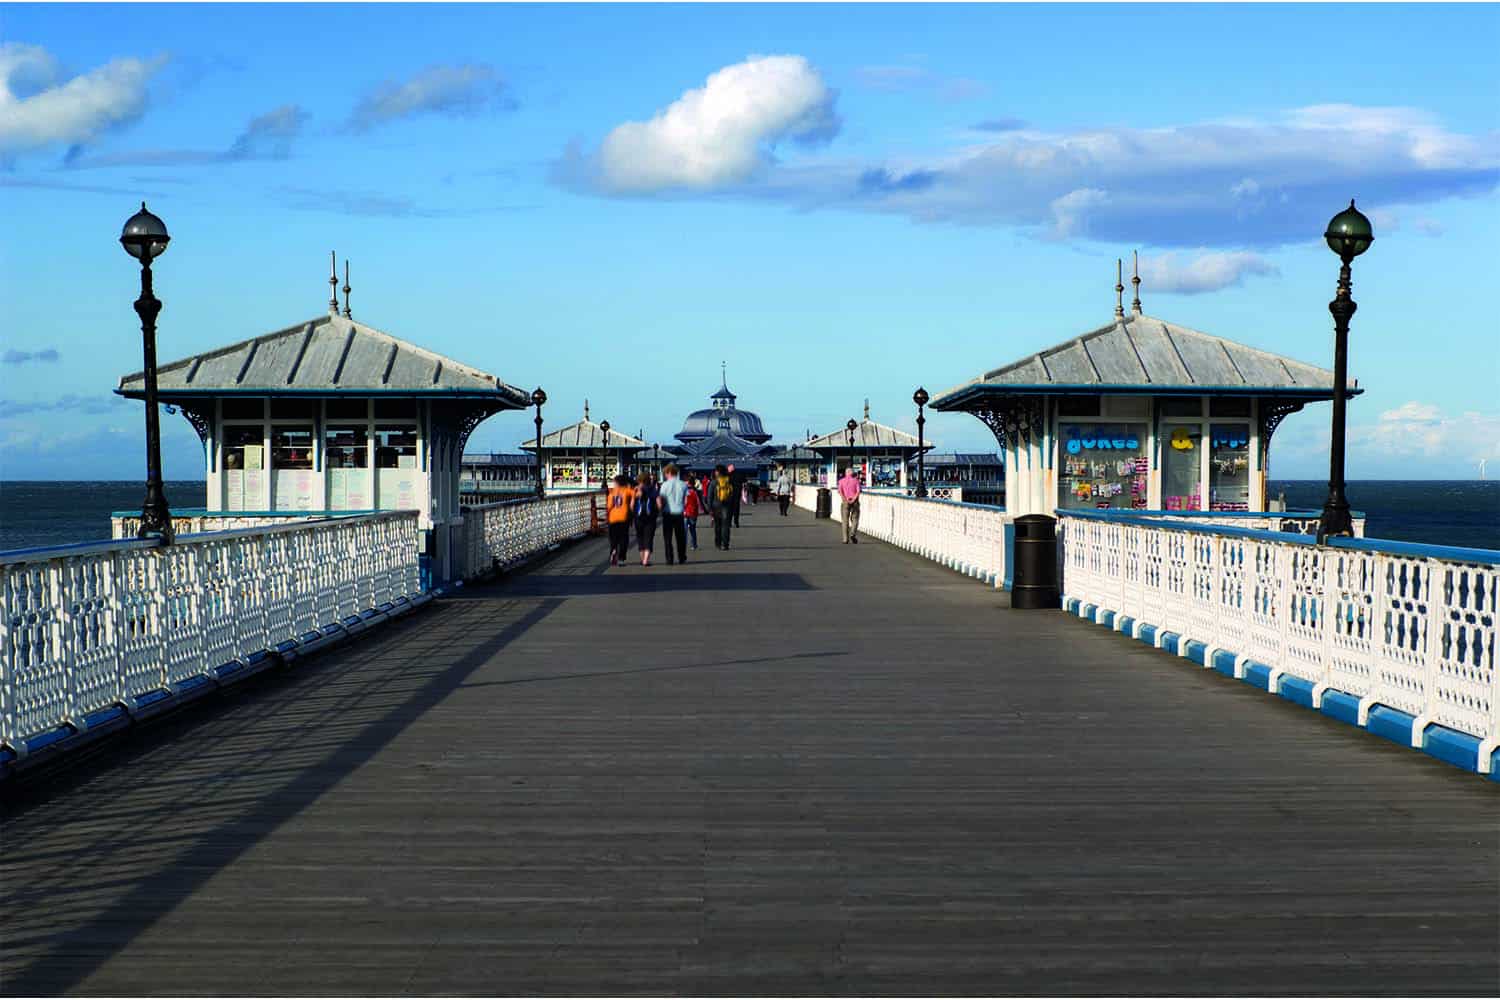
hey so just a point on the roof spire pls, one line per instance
(585, 411)
(867, 407)
(347, 313)
(724, 375)
(333, 283)
(1135, 305)
(1119, 288)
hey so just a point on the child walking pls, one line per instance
(692, 506)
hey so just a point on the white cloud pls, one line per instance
(1416, 429)
(719, 134)
(443, 90)
(1204, 271)
(75, 110)
(1429, 227)
(1069, 212)
(1248, 184)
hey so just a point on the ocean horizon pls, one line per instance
(1435, 511)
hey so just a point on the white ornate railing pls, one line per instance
(498, 534)
(1410, 627)
(965, 537)
(84, 628)
(127, 524)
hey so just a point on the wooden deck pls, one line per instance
(797, 766)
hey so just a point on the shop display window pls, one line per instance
(1103, 466)
(244, 468)
(346, 454)
(885, 472)
(1229, 467)
(1182, 467)
(566, 474)
(347, 447)
(395, 447)
(291, 447)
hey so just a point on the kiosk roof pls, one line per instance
(327, 356)
(1145, 354)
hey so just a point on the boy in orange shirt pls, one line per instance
(621, 501)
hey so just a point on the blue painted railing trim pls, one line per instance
(1131, 517)
(1439, 742)
(1451, 553)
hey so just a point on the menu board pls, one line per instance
(349, 489)
(398, 489)
(255, 490)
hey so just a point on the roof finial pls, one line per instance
(867, 407)
(585, 411)
(724, 375)
(1119, 288)
(1135, 304)
(347, 313)
(333, 283)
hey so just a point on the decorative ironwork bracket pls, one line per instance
(1015, 419)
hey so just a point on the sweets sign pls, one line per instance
(1099, 439)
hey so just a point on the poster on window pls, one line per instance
(255, 489)
(294, 489)
(234, 489)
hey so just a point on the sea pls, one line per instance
(1454, 512)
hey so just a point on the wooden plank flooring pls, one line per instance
(795, 767)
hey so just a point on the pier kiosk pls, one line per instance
(1141, 414)
(332, 415)
(880, 453)
(579, 458)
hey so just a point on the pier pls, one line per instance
(796, 766)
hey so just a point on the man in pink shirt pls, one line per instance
(849, 490)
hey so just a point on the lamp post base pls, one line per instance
(1335, 522)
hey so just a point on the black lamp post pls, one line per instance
(850, 426)
(538, 397)
(1349, 235)
(920, 397)
(604, 456)
(145, 238)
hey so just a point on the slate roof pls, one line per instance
(726, 445)
(500, 459)
(1146, 354)
(329, 355)
(934, 460)
(868, 434)
(584, 434)
(798, 453)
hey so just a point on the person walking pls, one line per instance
(620, 502)
(784, 491)
(647, 508)
(692, 506)
(721, 495)
(736, 481)
(849, 488)
(673, 509)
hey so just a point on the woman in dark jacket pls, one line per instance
(647, 510)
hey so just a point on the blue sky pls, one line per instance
(840, 202)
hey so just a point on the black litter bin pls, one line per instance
(825, 503)
(1035, 581)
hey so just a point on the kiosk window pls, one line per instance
(347, 409)
(291, 448)
(241, 443)
(1181, 406)
(294, 408)
(1229, 406)
(1078, 406)
(347, 447)
(244, 409)
(1181, 467)
(395, 447)
(395, 408)
(1102, 465)
(1229, 467)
